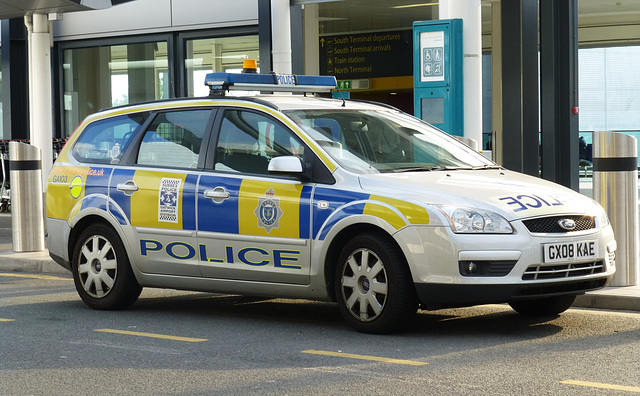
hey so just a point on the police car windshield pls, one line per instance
(367, 141)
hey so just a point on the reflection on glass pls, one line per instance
(101, 77)
(209, 55)
(365, 141)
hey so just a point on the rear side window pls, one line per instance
(106, 140)
(174, 139)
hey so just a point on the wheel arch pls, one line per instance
(339, 240)
(81, 224)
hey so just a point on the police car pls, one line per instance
(302, 196)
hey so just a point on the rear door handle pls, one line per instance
(128, 188)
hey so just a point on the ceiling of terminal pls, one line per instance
(20, 8)
(351, 16)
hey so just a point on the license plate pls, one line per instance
(570, 251)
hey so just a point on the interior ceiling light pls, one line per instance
(416, 5)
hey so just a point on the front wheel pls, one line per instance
(374, 289)
(101, 270)
(546, 306)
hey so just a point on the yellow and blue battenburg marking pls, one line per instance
(245, 211)
(332, 205)
(70, 185)
(254, 207)
(151, 205)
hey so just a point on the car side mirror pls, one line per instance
(286, 165)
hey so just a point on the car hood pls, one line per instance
(511, 194)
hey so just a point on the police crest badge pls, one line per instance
(268, 211)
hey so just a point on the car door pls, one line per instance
(252, 225)
(157, 192)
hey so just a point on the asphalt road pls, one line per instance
(184, 343)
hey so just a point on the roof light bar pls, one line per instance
(219, 83)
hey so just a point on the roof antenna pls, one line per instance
(342, 97)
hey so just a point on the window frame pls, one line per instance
(181, 39)
(131, 156)
(63, 46)
(308, 157)
(176, 55)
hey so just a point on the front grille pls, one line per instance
(535, 272)
(550, 224)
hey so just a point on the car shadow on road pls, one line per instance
(481, 320)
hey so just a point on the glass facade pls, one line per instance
(99, 77)
(609, 90)
(209, 55)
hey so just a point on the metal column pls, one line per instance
(559, 91)
(27, 217)
(519, 19)
(615, 187)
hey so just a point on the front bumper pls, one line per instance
(436, 296)
(510, 266)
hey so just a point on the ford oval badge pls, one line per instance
(567, 224)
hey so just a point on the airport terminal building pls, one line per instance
(153, 49)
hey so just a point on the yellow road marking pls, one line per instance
(7, 320)
(634, 389)
(48, 277)
(364, 357)
(151, 335)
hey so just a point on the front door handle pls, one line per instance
(218, 194)
(128, 188)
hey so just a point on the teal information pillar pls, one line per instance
(437, 74)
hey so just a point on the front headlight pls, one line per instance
(476, 221)
(603, 219)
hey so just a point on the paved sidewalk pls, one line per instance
(618, 298)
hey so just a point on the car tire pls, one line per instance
(546, 306)
(101, 270)
(374, 289)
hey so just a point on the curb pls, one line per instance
(615, 298)
(34, 262)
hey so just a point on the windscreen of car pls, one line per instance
(367, 141)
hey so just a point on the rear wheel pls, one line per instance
(546, 306)
(374, 289)
(101, 270)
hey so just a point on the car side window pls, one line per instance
(105, 141)
(248, 141)
(174, 139)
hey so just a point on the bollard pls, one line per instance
(615, 187)
(27, 214)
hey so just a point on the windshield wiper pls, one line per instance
(482, 167)
(418, 169)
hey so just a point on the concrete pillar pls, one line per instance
(470, 12)
(311, 40)
(496, 81)
(40, 103)
(280, 36)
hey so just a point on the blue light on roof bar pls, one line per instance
(220, 82)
